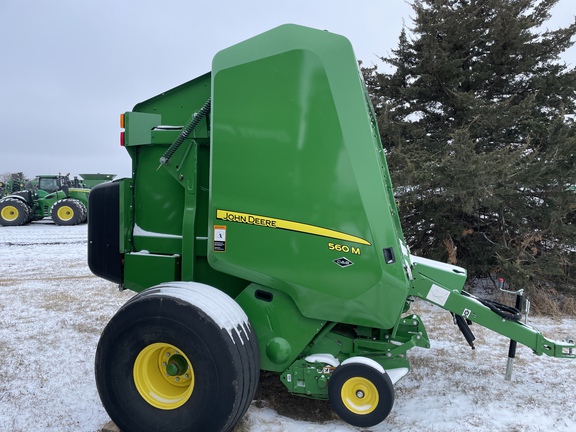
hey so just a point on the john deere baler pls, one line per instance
(260, 232)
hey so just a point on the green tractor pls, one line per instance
(55, 196)
(260, 231)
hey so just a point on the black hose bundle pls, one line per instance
(507, 312)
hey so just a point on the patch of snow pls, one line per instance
(323, 358)
(365, 361)
(143, 233)
(436, 264)
(225, 312)
(394, 374)
(397, 374)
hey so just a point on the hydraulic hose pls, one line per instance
(186, 131)
(507, 312)
(465, 329)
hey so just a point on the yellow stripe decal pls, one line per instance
(269, 222)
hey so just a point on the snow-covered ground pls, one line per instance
(52, 310)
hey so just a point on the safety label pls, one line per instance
(219, 238)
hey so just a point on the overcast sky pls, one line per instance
(68, 68)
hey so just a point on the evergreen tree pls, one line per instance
(18, 176)
(477, 118)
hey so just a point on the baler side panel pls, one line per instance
(282, 331)
(296, 183)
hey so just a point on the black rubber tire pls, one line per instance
(225, 361)
(84, 212)
(13, 212)
(67, 211)
(344, 375)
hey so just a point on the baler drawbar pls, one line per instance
(469, 307)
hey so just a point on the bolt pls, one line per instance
(359, 394)
(186, 376)
(167, 354)
(177, 379)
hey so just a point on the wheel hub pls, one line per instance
(9, 213)
(360, 395)
(164, 376)
(177, 365)
(65, 213)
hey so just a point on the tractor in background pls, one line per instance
(54, 196)
(63, 199)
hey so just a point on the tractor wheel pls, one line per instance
(178, 356)
(361, 392)
(66, 211)
(13, 212)
(84, 212)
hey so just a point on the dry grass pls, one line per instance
(544, 301)
(59, 301)
(551, 302)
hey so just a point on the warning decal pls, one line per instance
(219, 238)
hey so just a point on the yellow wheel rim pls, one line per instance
(10, 213)
(65, 213)
(360, 395)
(163, 376)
